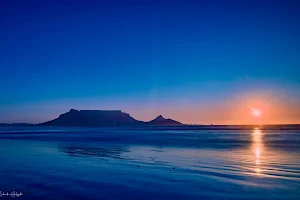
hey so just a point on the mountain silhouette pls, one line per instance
(94, 118)
(161, 121)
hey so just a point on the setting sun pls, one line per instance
(256, 112)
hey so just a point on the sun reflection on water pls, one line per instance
(257, 144)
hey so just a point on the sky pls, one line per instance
(198, 62)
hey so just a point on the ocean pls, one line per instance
(149, 163)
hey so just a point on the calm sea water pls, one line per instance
(128, 163)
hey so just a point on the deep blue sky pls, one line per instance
(147, 57)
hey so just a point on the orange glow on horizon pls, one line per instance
(273, 108)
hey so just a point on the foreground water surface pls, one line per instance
(129, 163)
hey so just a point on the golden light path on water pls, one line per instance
(257, 145)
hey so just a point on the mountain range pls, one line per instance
(94, 118)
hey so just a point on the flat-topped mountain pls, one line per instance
(161, 121)
(93, 118)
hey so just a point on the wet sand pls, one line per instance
(109, 163)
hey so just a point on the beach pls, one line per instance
(130, 163)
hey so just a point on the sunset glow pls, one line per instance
(256, 112)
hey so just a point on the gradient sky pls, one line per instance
(194, 61)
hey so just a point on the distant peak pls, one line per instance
(161, 121)
(73, 110)
(160, 117)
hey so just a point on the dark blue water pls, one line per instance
(128, 163)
